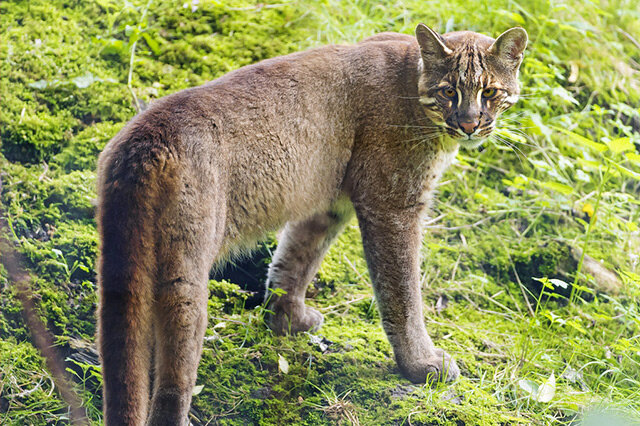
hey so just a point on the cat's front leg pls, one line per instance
(296, 260)
(392, 242)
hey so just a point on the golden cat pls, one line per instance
(302, 141)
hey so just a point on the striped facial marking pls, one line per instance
(467, 85)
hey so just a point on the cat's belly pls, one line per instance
(280, 180)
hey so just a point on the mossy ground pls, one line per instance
(502, 216)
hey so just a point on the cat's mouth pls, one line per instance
(470, 143)
(467, 141)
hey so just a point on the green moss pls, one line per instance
(23, 196)
(43, 106)
(79, 243)
(225, 296)
(35, 136)
(73, 194)
(11, 322)
(68, 254)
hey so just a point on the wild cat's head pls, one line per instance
(467, 79)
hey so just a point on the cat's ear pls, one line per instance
(510, 45)
(431, 43)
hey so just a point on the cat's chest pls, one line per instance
(436, 166)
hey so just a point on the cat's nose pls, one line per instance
(469, 126)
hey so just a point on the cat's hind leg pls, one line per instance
(300, 251)
(189, 237)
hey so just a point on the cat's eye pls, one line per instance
(449, 92)
(489, 93)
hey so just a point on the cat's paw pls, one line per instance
(437, 367)
(294, 321)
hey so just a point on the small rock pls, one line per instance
(401, 391)
(574, 376)
(260, 393)
(606, 280)
(442, 303)
(321, 342)
(452, 397)
(83, 352)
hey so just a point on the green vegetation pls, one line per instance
(536, 341)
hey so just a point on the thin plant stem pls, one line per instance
(588, 233)
(132, 58)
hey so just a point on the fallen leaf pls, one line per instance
(84, 81)
(573, 77)
(558, 283)
(283, 364)
(541, 393)
(547, 390)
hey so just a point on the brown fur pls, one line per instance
(304, 140)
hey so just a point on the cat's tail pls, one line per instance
(127, 196)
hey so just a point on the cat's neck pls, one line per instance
(384, 73)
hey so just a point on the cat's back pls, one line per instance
(312, 80)
(317, 76)
(288, 100)
(390, 37)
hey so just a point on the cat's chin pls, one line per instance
(470, 143)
